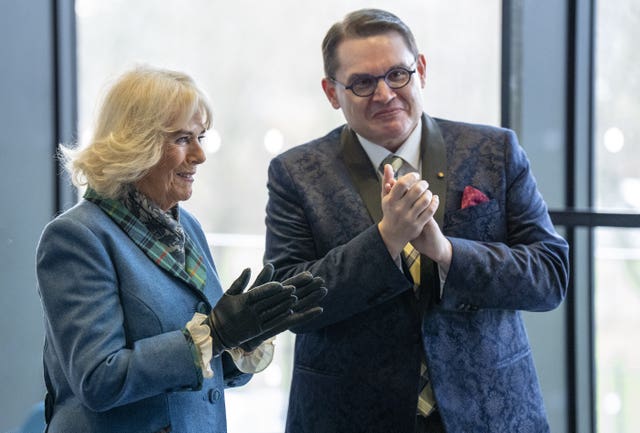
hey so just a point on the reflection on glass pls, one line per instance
(261, 64)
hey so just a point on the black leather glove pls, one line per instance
(265, 275)
(240, 316)
(309, 290)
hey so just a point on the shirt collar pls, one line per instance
(409, 150)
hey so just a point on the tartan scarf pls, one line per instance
(157, 233)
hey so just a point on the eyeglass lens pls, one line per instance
(395, 78)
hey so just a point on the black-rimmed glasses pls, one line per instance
(365, 85)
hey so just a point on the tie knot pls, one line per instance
(395, 161)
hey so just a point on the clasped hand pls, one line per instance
(246, 318)
(408, 207)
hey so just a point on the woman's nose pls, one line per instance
(197, 154)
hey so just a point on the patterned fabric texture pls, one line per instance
(357, 366)
(164, 226)
(159, 235)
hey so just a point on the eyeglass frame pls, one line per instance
(377, 80)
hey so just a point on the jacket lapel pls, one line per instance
(362, 173)
(434, 164)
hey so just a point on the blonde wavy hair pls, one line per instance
(142, 108)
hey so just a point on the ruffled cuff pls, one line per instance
(201, 336)
(256, 361)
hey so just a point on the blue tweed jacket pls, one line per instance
(115, 358)
(357, 366)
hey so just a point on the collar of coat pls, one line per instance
(192, 272)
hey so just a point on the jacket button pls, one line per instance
(201, 307)
(214, 395)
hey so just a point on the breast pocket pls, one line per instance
(483, 222)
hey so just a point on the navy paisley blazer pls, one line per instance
(357, 365)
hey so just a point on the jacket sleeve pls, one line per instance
(525, 266)
(359, 273)
(78, 285)
(233, 377)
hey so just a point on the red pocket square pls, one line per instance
(472, 197)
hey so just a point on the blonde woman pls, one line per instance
(139, 335)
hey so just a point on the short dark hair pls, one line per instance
(361, 24)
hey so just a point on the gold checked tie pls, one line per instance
(411, 257)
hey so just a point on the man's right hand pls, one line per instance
(407, 205)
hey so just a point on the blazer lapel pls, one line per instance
(434, 164)
(362, 173)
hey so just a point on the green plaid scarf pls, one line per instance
(187, 265)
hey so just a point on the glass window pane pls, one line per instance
(617, 188)
(260, 63)
(617, 321)
(617, 108)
